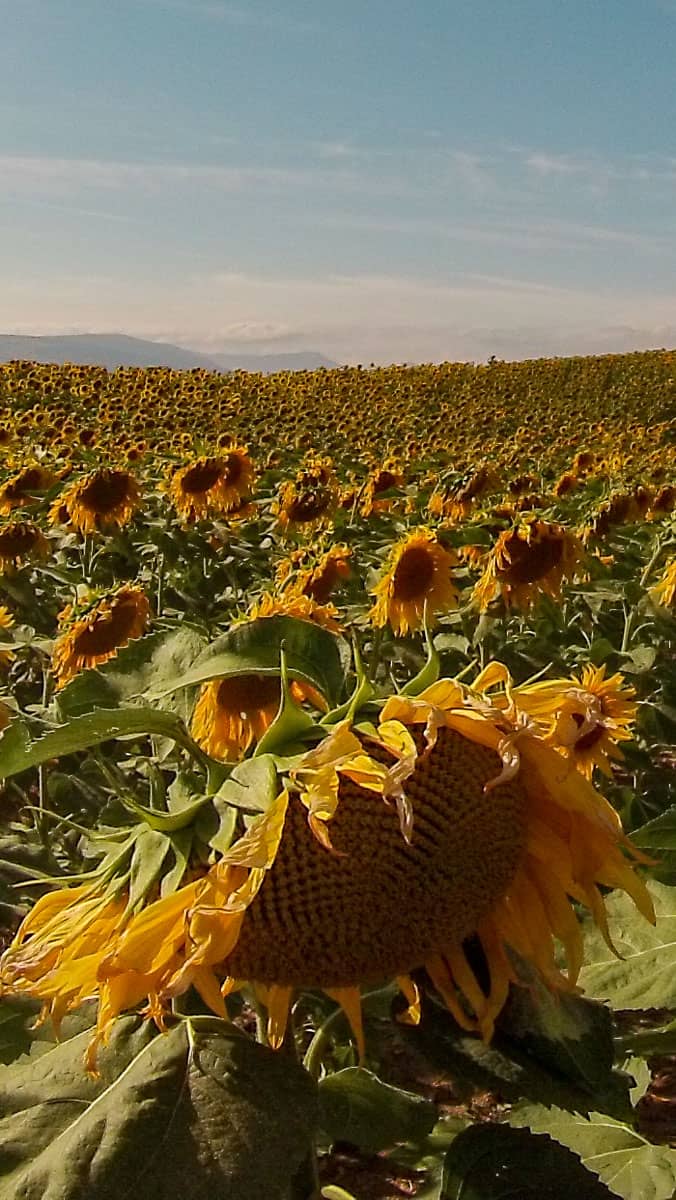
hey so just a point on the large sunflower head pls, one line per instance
(417, 579)
(92, 633)
(385, 850)
(528, 561)
(104, 499)
(21, 541)
(233, 714)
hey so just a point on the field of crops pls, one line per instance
(328, 701)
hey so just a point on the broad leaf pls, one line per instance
(18, 750)
(505, 1068)
(496, 1162)
(143, 665)
(356, 1106)
(312, 654)
(628, 1164)
(659, 834)
(570, 1035)
(212, 1115)
(645, 975)
(252, 785)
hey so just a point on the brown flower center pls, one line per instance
(105, 491)
(17, 540)
(108, 631)
(414, 573)
(380, 907)
(531, 561)
(245, 695)
(202, 477)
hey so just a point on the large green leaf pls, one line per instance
(496, 1162)
(628, 1164)
(505, 1067)
(645, 974)
(145, 664)
(568, 1034)
(312, 654)
(356, 1106)
(659, 834)
(210, 1114)
(18, 750)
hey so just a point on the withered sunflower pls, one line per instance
(304, 608)
(417, 577)
(308, 501)
(210, 486)
(530, 560)
(95, 632)
(382, 854)
(374, 498)
(102, 500)
(19, 542)
(584, 718)
(317, 581)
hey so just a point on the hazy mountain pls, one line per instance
(116, 350)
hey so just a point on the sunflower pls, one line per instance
(583, 718)
(103, 499)
(664, 591)
(232, 714)
(317, 581)
(6, 622)
(304, 608)
(461, 498)
(20, 489)
(527, 561)
(20, 541)
(95, 632)
(309, 500)
(383, 853)
(386, 479)
(417, 577)
(210, 486)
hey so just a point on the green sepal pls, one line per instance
(166, 822)
(291, 724)
(363, 693)
(430, 672)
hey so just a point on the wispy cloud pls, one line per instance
(235, 15)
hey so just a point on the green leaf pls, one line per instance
(312, 653)
(659, 834)
(504, 1067)
(496, 1162)
(645, 976)
(640, 659)
(145, 664)
(207, 1114)
(628, 1164)
(150, 850)
(356, 1106)
(569, 1035)
(18, 751)
(252, 785)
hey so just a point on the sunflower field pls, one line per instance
(338, 821)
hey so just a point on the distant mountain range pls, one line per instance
(116, 350)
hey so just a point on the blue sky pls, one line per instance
(380, 181)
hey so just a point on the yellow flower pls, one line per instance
(664, 592)
(94, 635)
(308, 501)
(320, 580)
(212, 486)
(526, 562)
(304, 608)
(6, 622)
(104, 499)
(382, 854)
(20, 541)
(388, 478)
(417, 577)
(583, 719)
(20, 490)
(231, 714)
